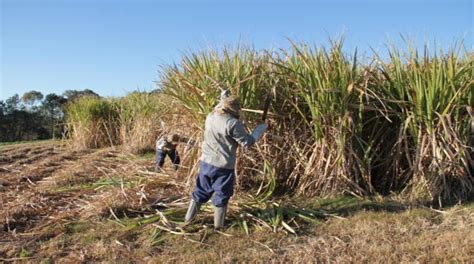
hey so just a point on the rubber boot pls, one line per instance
(193, 209)
(219, 216)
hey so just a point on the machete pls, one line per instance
(266, 105)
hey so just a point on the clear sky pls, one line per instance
(113, 47)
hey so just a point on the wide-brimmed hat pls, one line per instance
(229, 105)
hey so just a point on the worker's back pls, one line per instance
(222, 135)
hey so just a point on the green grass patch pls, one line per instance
(148, 155)
(24, 253)
(102, 183)
(77, 227)
(29, 142)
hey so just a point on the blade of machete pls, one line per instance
(266, 105)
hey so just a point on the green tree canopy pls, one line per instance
(12, 103)
(74, 94)
(31, 97)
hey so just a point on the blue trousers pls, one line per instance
(214, 180)
(161, 155)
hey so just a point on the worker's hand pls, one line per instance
(262, 126)
(268, 123)
(258, 131)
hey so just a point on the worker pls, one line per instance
(166, 146)
(223, 133)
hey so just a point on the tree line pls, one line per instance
(35, 116)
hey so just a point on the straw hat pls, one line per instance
(229, 105)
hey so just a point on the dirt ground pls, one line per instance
(46, 186)
(64, 206)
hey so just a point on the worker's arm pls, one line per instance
(160, 143)
(187, 141)
(238, 133)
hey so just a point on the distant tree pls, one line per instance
(2, 108)
(26, 119)
(53, 107)
(3, 120)
(12, 123)
(31, 98)
(36, 121)
(12, 104)
(53, 104)
(72, 95)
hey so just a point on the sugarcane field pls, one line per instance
(358, 163)
(292, 142)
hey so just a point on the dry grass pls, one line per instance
(102, 205)
(417, 235)
(92, 122)
(140, 117)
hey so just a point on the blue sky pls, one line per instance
(114, 47)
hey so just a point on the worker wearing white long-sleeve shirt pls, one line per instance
(224, 132)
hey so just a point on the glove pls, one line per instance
(257, 133)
